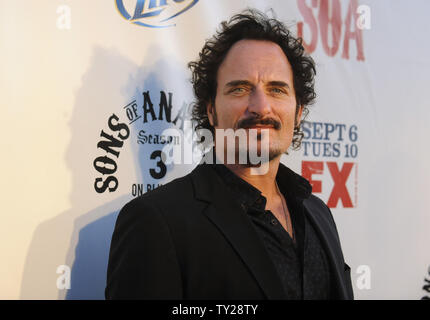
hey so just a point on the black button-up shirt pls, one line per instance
(301, 264)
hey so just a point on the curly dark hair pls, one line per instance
(250, 24)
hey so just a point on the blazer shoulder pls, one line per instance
(321, 212)
(319, 207)
(177, 190)
(152, 210)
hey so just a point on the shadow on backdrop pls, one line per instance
(82, 240)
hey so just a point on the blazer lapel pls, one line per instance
(328, 236)
(230, 218)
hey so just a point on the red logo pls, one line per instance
(339, 192)
(343, 32)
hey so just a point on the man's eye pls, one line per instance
(277, 90)
(238, 90)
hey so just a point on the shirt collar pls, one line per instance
(293, 186)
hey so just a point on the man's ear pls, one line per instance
(209, 111)
(299, 113)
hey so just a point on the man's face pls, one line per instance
(255, 91)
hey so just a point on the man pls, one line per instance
(222, 231)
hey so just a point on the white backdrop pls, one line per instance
(74, 73)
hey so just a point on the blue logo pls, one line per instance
(153, 13)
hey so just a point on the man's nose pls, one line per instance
(258, 102)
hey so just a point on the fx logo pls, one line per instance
(339, 176)
(153, 13)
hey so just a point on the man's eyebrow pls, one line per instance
(278, 84)
(275, 83)
(236, 83)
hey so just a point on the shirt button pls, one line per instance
(274, 222)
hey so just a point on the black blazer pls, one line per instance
(188, 239)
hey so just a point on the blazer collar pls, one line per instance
(228, 215)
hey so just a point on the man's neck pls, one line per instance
(266, 183)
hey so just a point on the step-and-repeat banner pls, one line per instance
(88, 89)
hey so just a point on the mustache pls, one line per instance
(250, 122)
